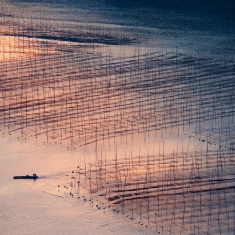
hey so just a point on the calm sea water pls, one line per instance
(41, 207)
(195, 26)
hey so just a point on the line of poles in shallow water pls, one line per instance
(72, 82)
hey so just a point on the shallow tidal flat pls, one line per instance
(152, 127)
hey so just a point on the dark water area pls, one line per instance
(205, 26)
(145, 13)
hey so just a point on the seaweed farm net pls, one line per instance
(155, 125)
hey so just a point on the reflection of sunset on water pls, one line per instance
(148, 129)
(16, 48)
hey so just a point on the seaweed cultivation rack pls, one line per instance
(155, 124)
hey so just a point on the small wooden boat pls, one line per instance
(33, 177)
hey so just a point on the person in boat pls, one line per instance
(35, 176)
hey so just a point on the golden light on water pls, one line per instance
(16, 48)
(146, 127)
